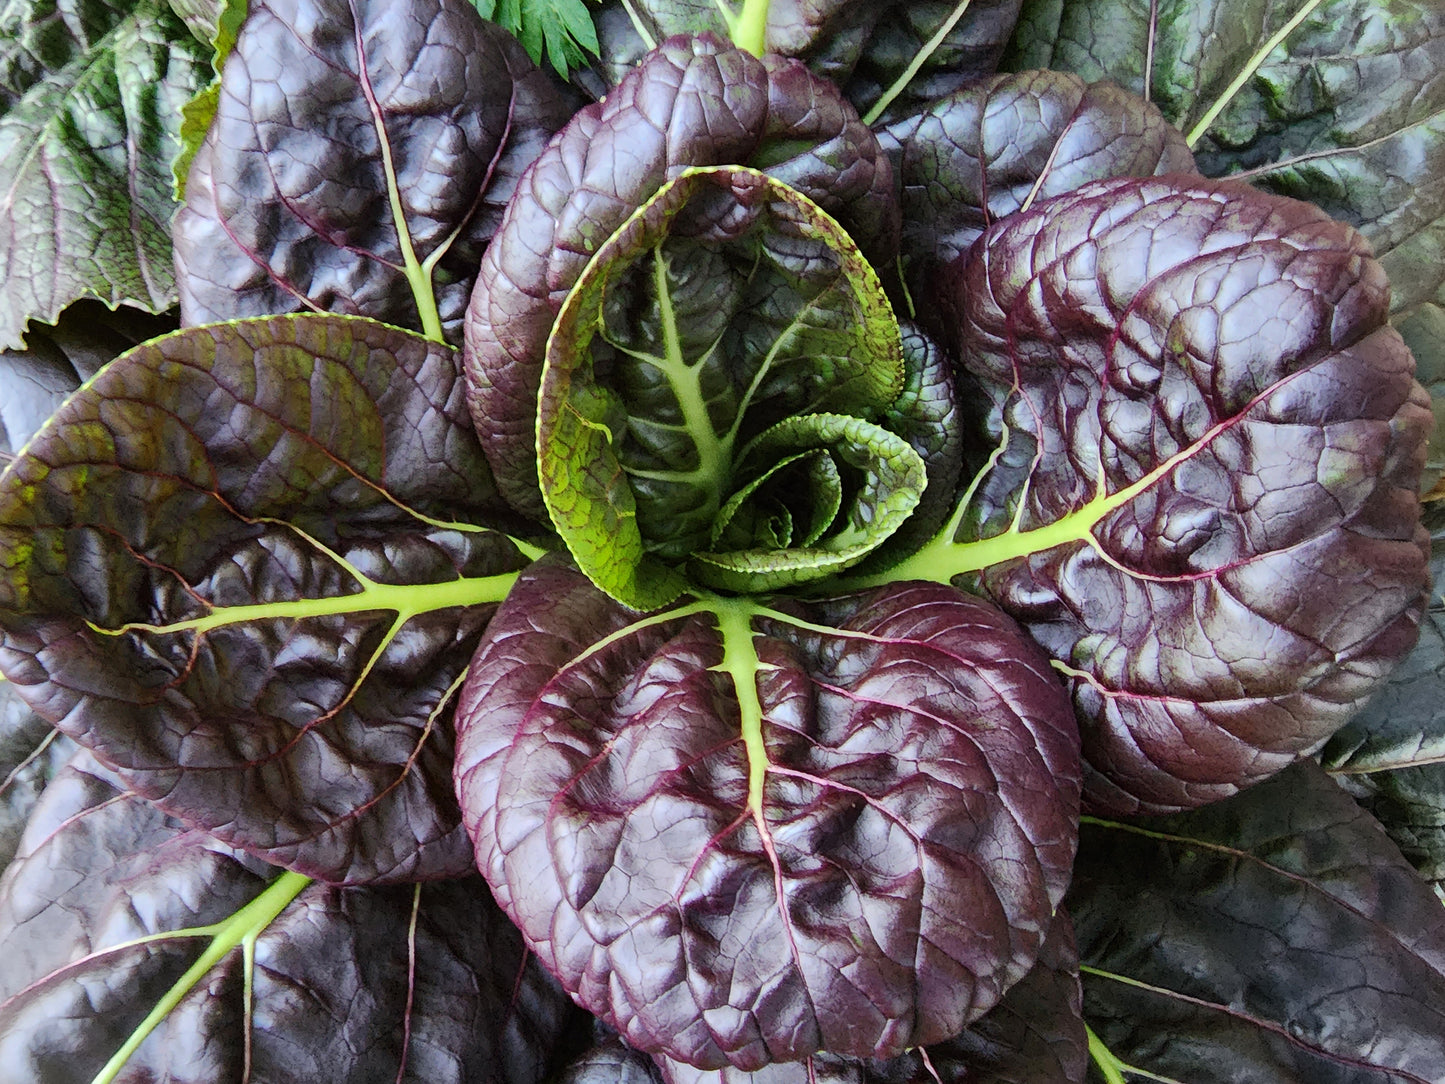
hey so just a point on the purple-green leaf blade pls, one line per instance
(246, 565)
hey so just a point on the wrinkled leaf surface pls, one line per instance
(90, 100)
(692, 102)
(1348, 112)
(426, 983)
(1202, 496)
(1035, 1035)
(983, 152)
(742, 835)
(243, 566)
(727, 303)
(358, 161)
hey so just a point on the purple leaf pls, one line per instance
(245, 566)
(351, 145)
(742, 835)
(425, 983)
(1203, 496)
(1278, 935)
(692, 102)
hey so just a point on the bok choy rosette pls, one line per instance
(683, 542)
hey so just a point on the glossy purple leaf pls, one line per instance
(425, 983)
(1035, 1035)
(328, 113)
(1276, 936)
(1203, 502)
(742, 835)
(985, 151)
(244, 566)
(692, 102)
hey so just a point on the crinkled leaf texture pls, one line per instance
(980, 154)
(1276, 936)
(727, 309)
(1035, 1035)
(90, 101)
(742, 835)
(1202, 499)
(692, 102)
(1349, 112)
(427, 984)
(354, 148)
(243, 565)
(1391, 755)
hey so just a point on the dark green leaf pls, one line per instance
(1276, 936)
(89, 121)
(244, 566)
(1392, 755)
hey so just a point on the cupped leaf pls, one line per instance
(879, 481)
(742, 835)
(1035, 1035)
(1278, 935)
(90, 100)
(358, 162)
(112, 902)
(692, 102)
(728, 302)
(1202, 498)
(58, 357)
(991, 148)
(243, 565)
(1347, 110)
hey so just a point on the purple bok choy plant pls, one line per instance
(764, 651)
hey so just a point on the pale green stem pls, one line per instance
(642, 32)
(1109, 1065)
(740, 662)
(417, 276)
(245, 925)
(916, 65)
(1252, 66)
(750, 27)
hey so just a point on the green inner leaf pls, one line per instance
(726, 303)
